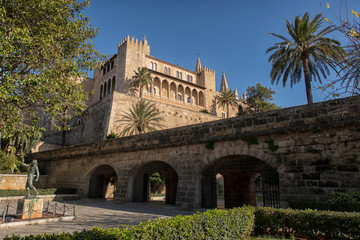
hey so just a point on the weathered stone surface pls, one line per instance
(316, 156)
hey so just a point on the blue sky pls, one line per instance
(228, 35)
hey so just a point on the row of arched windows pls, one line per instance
(153, 66)
(107, 87)
(167, 70)
(108, 67)
(175, 92)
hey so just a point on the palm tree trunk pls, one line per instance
(141, 93)
(307, 76)
(227, 110)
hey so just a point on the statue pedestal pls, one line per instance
(28, 208)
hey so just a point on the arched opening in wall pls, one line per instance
(194, 97)
(101, 91)
(180, 93)
(172, 91)
(142, 182)
(102, 182)
(157, 86)
(247, 180)
(165, 89)
(187, 95)
(201, 99)
(109, 86)
(113, 84)
(104, 89)
(220, 200)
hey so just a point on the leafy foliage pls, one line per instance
(212, 224)
(112, 135)
(141, 79)
(46, 191)
(9, 163)
(142, 117)
(348, 23)
(307, 224)
(309, 52)
(258, 99)
(46, 51)
(227, 98)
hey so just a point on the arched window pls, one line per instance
(155, 66)
(177, 74)
(101, 91)
(179, 97)
(165, 70)
(113, 83)
(109, 86)
(112, 64)
(169, 71)
(180, 75)
(151, 65)
(104, 89)
(154, 90)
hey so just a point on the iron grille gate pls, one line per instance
(268, 187)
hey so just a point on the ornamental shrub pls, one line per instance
(308, 224)
(213, 224)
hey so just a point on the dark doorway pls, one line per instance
(142, 186)
(246, 180)
(102, 182)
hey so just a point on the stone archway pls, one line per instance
(247, 180)
(102, 182)
(142, 182)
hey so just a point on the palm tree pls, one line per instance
(142, 117)
(308, 51)
(227, 97)
(142, 78)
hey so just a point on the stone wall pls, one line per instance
(313, 148)
(18, 182)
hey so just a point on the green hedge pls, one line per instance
(308, 224)
(229, 224)
(46, 191)
(213, 224)
(340, 207)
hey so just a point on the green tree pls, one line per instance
(258, 99)
(309, 52)
(142, 78)
(349, 25)
(142, 117)
(45, 51)
(227, 98)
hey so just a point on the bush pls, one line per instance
(9, 163)
(335, 201)
(308, 224)
(340, 207)
(346, 197)
(213, 224)
(46, 191)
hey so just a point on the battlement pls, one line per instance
(132, 41)
(208, 70)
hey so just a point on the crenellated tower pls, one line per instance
(131, 55)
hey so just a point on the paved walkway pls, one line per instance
(90, 213)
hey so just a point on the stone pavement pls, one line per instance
(101, 213)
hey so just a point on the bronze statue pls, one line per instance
(34, 170)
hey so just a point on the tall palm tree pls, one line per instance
(142, 117)
(142, 78)
(227, 98)
(308, 51)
